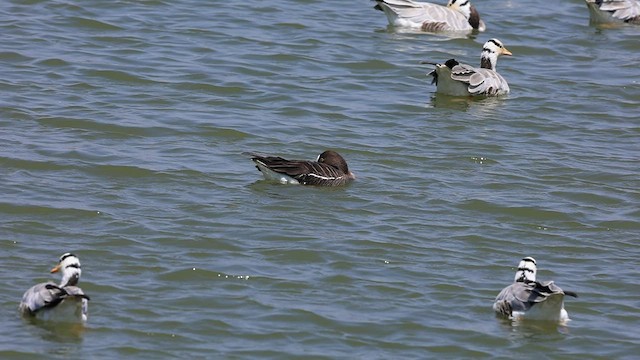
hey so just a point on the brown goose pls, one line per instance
(329, 169)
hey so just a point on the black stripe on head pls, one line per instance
(64, 256)
(77, 266)
(464, 3)
(495, 43)
(530, 259)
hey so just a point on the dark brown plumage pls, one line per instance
(330, 169)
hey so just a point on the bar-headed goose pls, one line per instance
(458, 15)
(65, 302)
(530, 299)
(456, 79)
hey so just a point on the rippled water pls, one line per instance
(123, 126)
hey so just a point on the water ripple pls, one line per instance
(124, 125)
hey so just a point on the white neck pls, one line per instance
(70, 277)
(463, 9)
(71, 271)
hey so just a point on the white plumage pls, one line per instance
(456, 79)
(529, 299)
(614, 11)
(458, 15)
(65, 302)
(275, 176)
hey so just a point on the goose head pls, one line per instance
(491, 50)
(526, 270)
(334, 159)
(69, 266)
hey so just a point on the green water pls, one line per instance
(123, 125)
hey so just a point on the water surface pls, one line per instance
(123, 126)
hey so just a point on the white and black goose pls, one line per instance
(529, 299)
(65, 302)
(456, 79)
(458, 15)
(329, 169)
(614, 11)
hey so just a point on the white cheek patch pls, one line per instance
(526, 270)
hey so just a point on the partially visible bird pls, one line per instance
(329, 169)
(456, 79)
(65, 302)
(614, 11)
(529, 299)
(458, 15)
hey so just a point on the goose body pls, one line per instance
(458, 15)
(456, 79)
(65, 302)
(330, 169)
(614, 11)
(529, 299)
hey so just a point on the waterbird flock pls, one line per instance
(525, 298)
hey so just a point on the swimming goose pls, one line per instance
(456, 79)
(612, 11)
(65, 302)
(329, 169)
(458, 15)
(527, 298)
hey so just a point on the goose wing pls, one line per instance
(481, 81)
(292, 168)
(40, 296)
(624, 10)
(75, 292)
(322, 175)
(488, 82)
(541, 291)
(513, 298)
